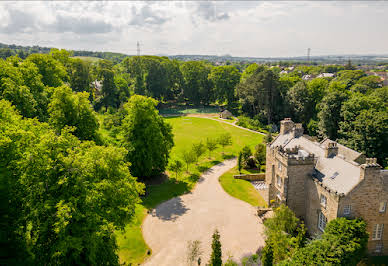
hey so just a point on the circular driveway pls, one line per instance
(195, 216)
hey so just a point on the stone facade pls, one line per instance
(323, 181)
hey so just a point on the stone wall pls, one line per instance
(365, 201)
(251, 177)
(313, 205)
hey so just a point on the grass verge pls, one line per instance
(241, 189)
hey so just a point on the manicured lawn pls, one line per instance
(241, 189)
(187, 130)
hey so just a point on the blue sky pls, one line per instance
(238, 28)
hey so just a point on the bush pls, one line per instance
(253, 124)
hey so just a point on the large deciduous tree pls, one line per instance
(73, 109)
(224, 79)
(147, 137)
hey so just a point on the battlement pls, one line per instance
(295, 155)
(370, 162)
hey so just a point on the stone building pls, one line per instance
(321, 181)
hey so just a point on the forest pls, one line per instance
(56, 167)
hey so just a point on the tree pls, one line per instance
(211, 145)
(73, 109)
(260, 154)
(71, 194)
(175, 166)
(225, 140)
(239, 162)
(146, 136)
(216, 256)
(246, 153)
(79, 75)
(224, 79)
(197, 87)
(198, 149)
(268, 137)
(53, 72)
(343, 243)
(260, 94)
(189, 157)
(329, 114)
(193, 251)
(301, 102)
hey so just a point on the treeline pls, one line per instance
(64, 188)
(350, 106)
(24, 51)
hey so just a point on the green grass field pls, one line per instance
(241, 189)
(187, 130)
(190, 110)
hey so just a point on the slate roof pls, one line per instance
(337, 173)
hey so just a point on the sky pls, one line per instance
(237, 28)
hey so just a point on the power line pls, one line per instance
(308, 55)
(138, 48)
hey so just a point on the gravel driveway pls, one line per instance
(195, 216)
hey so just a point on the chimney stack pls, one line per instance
(331, 150)
(286, 126)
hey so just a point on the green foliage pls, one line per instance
(73, 109)
(216, 256)
(176, 167)
(69, 195)
(343, 243)
(240, 162)
(224, 79)
(198, 149)
(284, 235)
(259, 154)
(146, 136)
(211, 145)
(251, 123)
(246, 152)
(197, 87)
(189, 157)
(225, 140)
(268, 137)
(267, 254)
(52, 71)
(301, 102)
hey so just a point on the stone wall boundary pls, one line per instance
(251, 177)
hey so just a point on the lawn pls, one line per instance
(241, 189)
(187, 130)
(191, 110)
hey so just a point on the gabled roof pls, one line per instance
(337, 173)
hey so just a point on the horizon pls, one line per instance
(237, 28)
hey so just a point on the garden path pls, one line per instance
(195, 216)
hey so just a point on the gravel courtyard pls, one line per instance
(195, 216)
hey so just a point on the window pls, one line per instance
(347, 209)
(383, 206)
(377, 231)
(279, 181)
(379, 248)
(323, 201)
(279, 166)
(322, 220)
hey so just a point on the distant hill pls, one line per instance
(23, 51)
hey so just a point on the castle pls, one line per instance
(321, 181)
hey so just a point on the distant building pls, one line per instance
(308, 77)
(382, 74)
(325, 75)
(225, 114)
(321, 181)
(283, 72)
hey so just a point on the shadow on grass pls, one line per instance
(228, 156)
(156, 194)
(170, 210)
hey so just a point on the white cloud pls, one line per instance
(232, 27)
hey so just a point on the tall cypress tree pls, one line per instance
(216, 257)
